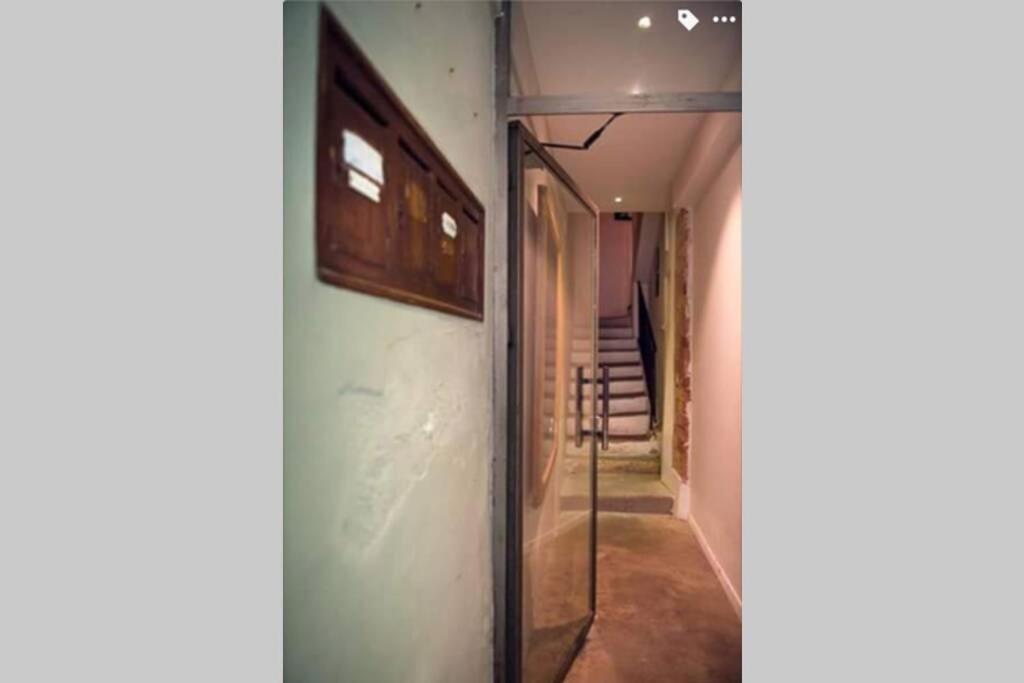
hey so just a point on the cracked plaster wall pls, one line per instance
(387, 406)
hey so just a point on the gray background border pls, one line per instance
(140, 495)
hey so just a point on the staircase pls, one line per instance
(629, 406)
(629, 477)
(629, 465)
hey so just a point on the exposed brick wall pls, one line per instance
(683, 368)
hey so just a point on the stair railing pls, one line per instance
(634, 308)
(648, 349)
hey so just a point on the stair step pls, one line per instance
(628, 439)
(611, 464)
(617, 387)
(624, 424)
(633, 492)
(617, 321)
(617, 405)
(613, 344)
(614, 464)
(629, 424)
(607, 357)
(616, 333)
(626, 344)
(610, 357)
(617, 371)
(624, 452)
(618, 490)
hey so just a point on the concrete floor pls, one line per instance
(661, 613)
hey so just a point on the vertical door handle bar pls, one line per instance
(605, 412)
(579, 406)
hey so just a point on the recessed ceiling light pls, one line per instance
(618, 200)
(645, 22)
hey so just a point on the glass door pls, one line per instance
(552, 453)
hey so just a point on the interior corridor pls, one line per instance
(661, 613)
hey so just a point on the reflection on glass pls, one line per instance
(558, 336)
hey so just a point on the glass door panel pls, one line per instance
(555, 339)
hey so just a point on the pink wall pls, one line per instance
(616, 249)
(715, 459)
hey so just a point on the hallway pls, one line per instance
(661, 613)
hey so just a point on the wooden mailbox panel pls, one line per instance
(393, 218)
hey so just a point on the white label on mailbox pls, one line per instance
(363, 185)
(362, 156)
(448, 224)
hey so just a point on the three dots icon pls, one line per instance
(724, 20)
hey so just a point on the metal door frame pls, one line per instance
(520, 143)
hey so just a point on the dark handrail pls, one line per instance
(648, 351)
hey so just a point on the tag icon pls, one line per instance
(687, 19)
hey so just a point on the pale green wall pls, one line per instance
(387, 406)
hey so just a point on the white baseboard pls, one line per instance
(730, 591)
(681, 509)
(679, 489)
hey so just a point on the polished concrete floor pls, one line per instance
(661, 613)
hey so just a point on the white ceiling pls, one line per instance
(636, 158)
(597, 48)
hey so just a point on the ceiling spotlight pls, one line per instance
(618, 200)
(645, 22)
